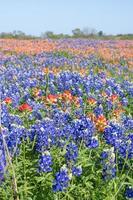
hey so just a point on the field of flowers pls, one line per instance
(66, 119)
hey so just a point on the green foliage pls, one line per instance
(38, 186)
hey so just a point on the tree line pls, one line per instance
(88, 33)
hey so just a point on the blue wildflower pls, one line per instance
(77, 171)
(129, 193)
(45, 162)
(71, 152)
(61, 181)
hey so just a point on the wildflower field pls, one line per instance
(66, 126)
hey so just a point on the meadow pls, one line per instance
(66, 119)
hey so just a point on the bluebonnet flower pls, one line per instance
(98, 110)
(109, 105)
(71, 152)
(108, 90)
(118, 137)
(2, 165)
(45, 133)
(92, 143)
(61, 181)
(113, 134)
(78, 113)
(126, 147)
(104, 155)
(124, 101)
(77, 171)
(45, 162)
(127, 122)
(109, 164)
(15, 119)
(14, 137)
(129, 193)
(82, 129)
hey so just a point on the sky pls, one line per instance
(62, 16)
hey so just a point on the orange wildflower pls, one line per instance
(8, 100)
(52, 98)
(101, 123)
(25, 107)
(67, 96)
(46, 70)
(114, 98)
(92, 101)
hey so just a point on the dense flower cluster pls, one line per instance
(61, 180)
(68, 105)
(45, 162)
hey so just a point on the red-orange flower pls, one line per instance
(8, 100)
(25, 107)
(91, 101)
(52, 98)
(114, 98)
(67, 96)
(101, 123)
(46, 70)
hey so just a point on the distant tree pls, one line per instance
(18, 34)
(77, 32)
(6, 35)
(100, 33)
(47, 34)
(50, 34)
